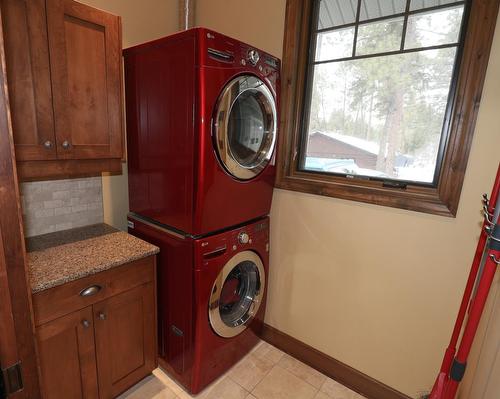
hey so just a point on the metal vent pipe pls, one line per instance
(186, 14)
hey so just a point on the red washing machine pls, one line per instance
(202, 124)
(212, 297)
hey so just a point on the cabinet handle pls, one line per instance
(85, 323)
(89, 291)
(65, 144)
(102, 316)
(48, 144)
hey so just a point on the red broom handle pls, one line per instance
(445, 387)
(475, 313)
(450, 351)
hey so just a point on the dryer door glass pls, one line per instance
(245, 127)
(237, 294)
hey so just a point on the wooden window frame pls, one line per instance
(440, 200)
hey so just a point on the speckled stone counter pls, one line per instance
(57, 258)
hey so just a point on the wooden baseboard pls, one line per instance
(340, 372)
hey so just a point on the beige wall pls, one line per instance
(142, 21)
(375, 287)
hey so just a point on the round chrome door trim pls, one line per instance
(214, 315)
(236, 88)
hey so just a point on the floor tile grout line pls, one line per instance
(307, 366)
(237, 383)
(307, 382)
(282, 368)
(323, 383)
(250, 392)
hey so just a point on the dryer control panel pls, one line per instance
(225, 51)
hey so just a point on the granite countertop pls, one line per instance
(64, 256)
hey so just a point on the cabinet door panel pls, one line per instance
(28, 76)
(85, 57)
(125, 328)
(67, 357)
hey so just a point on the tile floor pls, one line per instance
(265, 373)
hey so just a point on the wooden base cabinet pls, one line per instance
(124, 331)
(106, 347)
(66, 350)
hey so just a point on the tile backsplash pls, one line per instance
(50, 206)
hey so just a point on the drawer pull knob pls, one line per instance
(89, 291)
(102, 316)
(66, 144)
(85, 323)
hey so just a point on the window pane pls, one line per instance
(381, 116)
(419, 4)
(335, 44)
(380, 8)
(434, 28)
(336, 12)
(379, 37)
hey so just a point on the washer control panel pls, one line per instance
(253, 237)
(250, 234)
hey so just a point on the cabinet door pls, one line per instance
(125, 328)
(67, 357)
(28, 75)
(85, 60)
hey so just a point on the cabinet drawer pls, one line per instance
(61, 300)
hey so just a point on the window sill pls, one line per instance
(414, 198)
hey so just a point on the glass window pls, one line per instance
(383, 125)
(433, 28)
(334, 44)
(377, 107)
(379, 37)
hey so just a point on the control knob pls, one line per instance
(253, 57)
(243, 238)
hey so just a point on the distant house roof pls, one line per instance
(368, 146)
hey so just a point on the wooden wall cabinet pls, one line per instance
(64, 73)
(103, 348)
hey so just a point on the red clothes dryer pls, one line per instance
(202, 124)
(211, 297)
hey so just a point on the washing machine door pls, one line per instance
(245, 126)
(237, 294)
